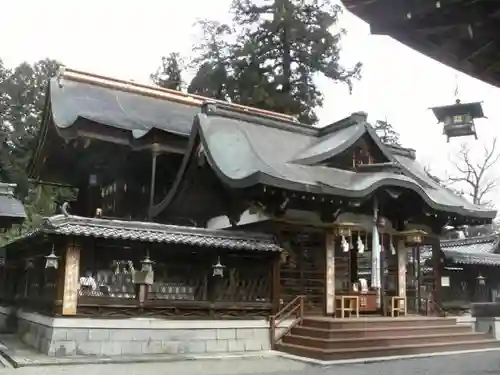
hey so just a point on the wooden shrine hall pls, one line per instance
(217, 214)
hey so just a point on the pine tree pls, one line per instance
(214, 62)
(23, 90)
(386, 133)
(22, 100)
(293, 41)
(169, 74)
(271, 62)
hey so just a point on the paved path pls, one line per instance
(487, 363)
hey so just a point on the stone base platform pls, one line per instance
(65, 337)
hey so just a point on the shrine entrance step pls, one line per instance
(358, 338)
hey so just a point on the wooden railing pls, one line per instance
(432, 306)
(276, 329)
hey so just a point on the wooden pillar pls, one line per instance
(276, 285)
(436, 270)
(71, 278)
(402, 255)
(330, 274)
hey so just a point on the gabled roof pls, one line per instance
(338, 138)
(11, 209)
(245, 151)
(152, 232)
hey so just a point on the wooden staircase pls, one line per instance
(362, 338)
(337, 339)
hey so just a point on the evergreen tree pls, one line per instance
(23, 90)
(214, 62)
(282, 45)
(386, 133)
(22, 100)
(169, 74)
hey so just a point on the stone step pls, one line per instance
(352, 323)
(301, 330)
(385, 351)
(354, 343)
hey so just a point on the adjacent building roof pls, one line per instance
(481, 250)
(11, 209)
(459, 33)
(69, 225)
(246, 150)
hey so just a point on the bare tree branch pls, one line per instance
(474, 174)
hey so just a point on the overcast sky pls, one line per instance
(126, 39)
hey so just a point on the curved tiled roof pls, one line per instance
(153, 232)
(128, 105)
(245, 151)
(473, 250)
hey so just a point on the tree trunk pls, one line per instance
(287, 58)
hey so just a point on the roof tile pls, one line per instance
(153, 232)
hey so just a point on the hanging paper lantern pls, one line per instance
(391, 246)
(360, 245)
(344, 245)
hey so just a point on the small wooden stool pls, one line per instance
(348, 304)
(397, 306)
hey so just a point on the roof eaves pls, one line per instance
(470, 240)
(154, 232)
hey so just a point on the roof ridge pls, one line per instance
(61, 219)
(162, 93)
(220, 110)
(353, 119)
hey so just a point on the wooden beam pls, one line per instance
(389, 11)
(474, 51)
(478, 14)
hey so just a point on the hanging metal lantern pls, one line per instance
(343, 230)
(458, 119)
(218, 268)
(52, 260)
(413, 237)
(481, 280)
(147, 264)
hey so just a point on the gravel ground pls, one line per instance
(463, 364)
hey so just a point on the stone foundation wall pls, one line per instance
(99, 337)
